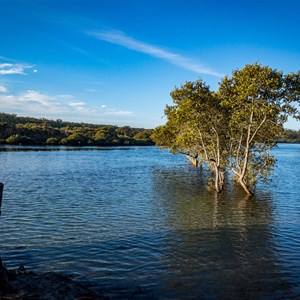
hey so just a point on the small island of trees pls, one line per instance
(232, 129)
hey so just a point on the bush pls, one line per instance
(75, 139)
(52, 141)
(17, 139)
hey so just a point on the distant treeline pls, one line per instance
(16, 130)
(290, 136)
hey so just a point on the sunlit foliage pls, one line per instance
(31, 131)
(235, 128)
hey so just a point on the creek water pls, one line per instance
(138, 223)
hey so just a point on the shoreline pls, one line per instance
(20, 284)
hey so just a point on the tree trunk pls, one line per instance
(219, 179)
(193, 160)
(245, 186)
(246, 157)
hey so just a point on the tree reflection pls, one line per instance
(222, 245)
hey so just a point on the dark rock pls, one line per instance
(7, 291)
(51, 286)
(25, 285)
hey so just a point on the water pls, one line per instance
(138, 223)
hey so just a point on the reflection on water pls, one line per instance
(221, 242)
(189, 205)
(140, 224)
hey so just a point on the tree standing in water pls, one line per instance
(234, 128)
(196, 127)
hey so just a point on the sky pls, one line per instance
(116, 61)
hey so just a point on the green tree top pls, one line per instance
(234, 128)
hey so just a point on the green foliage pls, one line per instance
(6, 130)
(196, 127)
(234, 128)
(74, 139)
(106, 135)
(25, 130)
(289, 136)
(18, 139)
(144, 135)
(52, 141)
(259, 102)
(125, 131)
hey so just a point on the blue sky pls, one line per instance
(116, 61)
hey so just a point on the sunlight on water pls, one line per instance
(138, 222)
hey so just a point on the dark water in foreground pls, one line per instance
(138, 223)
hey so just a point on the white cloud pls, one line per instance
(31, 102)
(82, 107)
(3, 89)
(9, 68)
(37, 104)
(121, 39)
(118, 113)
(36, 97)
(107, 111)
(77, 104)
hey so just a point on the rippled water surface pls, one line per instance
(138, 222)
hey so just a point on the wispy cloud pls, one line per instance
(80, 106)
(3, 89)
(9, 68)
(7, 59)
(39, 104)
(118, 113)
(121, 39)
(76, 104)
(31, 102)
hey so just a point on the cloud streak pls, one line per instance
(118, 113)
(3, 89)
(9, 68)
(39, 104)
(121, 39)
(31, 102)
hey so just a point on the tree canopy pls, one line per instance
(234, 128)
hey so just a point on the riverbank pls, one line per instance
(16, 130)
(21, 285)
